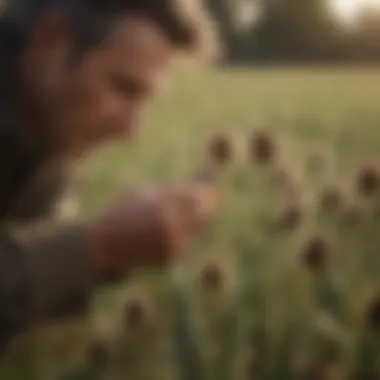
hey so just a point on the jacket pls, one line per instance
(45, 273)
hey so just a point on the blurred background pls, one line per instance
(285, 283)
(296, 32)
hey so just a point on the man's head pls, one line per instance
(88, 67)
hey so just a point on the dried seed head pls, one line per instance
(315, 254)
(212, 277)
(262, 147)
(291, 217)
(135, 313)
(98, 353)
(368, 180)
(221, 149)
(353, 216)
(373, 314)
(331, 199)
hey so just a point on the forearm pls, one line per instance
(62, 272)
(48, 277)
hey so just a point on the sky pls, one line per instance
(348, 8)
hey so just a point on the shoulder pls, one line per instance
(47, 200)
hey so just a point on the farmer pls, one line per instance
(74, 74)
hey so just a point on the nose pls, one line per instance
(124, 123)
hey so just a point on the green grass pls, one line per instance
(270, 303)
(337, 108)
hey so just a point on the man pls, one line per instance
(75, 73)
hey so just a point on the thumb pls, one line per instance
(196, 204)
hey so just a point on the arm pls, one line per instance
(52, 277)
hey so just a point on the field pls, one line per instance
(285, 283)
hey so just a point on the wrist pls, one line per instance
(105, 265)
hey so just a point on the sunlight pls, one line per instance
(348, 8)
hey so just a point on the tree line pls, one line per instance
(292, 31)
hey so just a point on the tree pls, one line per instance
(297, 30)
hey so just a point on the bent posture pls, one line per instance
(73, 75)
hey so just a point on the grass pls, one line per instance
(335, 108)
(285, 306)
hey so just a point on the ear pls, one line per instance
(46, 53)
(49, 41)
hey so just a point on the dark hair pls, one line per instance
(91, 20)
(101, 15)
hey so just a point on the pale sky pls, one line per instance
(348, 8)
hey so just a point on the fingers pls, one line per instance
(208, 199)
(199, 200)
(195, 205)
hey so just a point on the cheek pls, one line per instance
(90, 104)
(108, 111)
(111, 113)
(105, 115)
(79, 113)
(95, 112)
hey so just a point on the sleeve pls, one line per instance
(15, 295)
(61, 273)
(52, 278)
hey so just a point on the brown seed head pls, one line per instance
(353, 216)
(315, 254)
(368, 180)
(373, 314)
(97, 353)
(211, 277)
(221, 149)
(291, 217)
(262, 147)
(135, 313)
(331, 199)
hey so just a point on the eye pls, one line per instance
(127, 86)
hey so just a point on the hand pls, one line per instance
(149, 228)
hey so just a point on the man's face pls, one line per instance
(102, 93)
